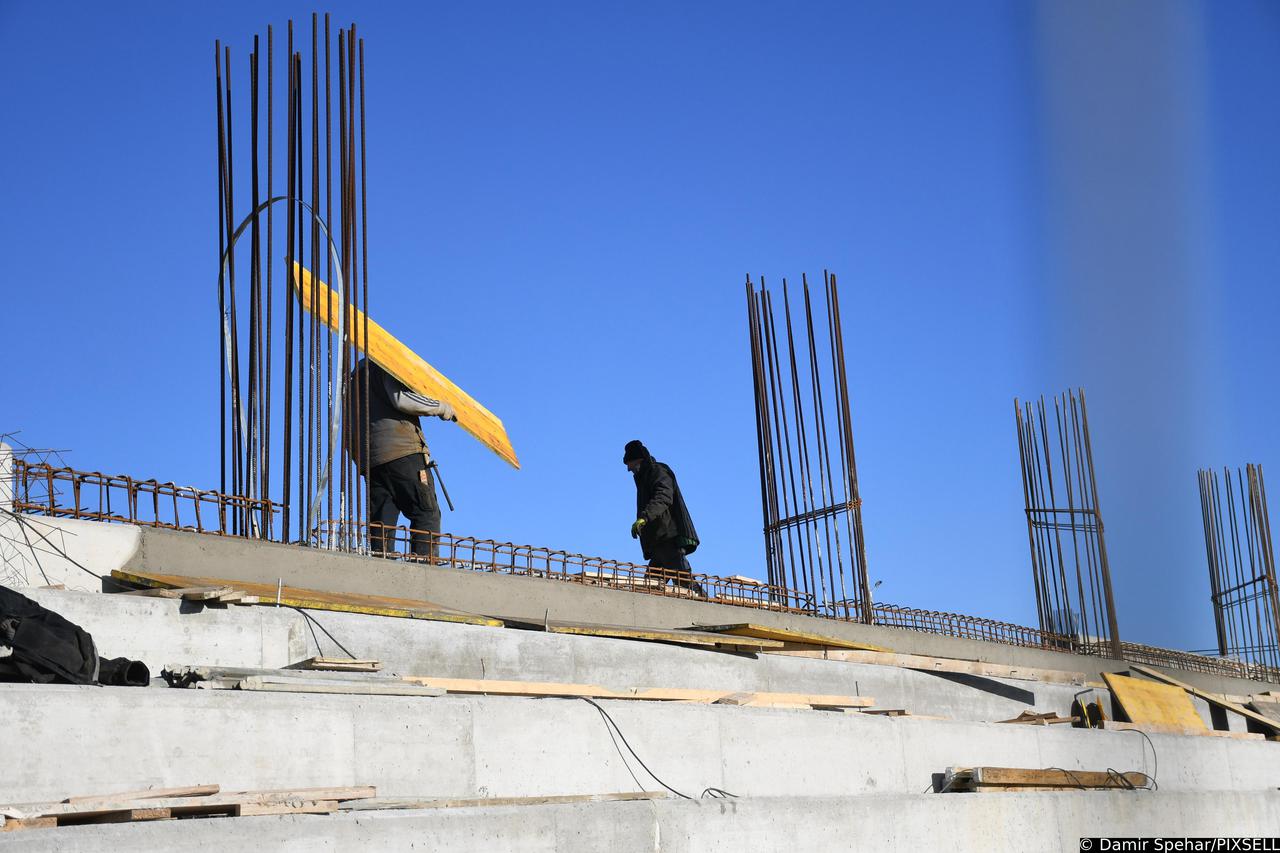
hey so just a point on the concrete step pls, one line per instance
(995, 823)
(64, 740)
(162, 632)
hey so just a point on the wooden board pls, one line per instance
(926, 663)
(407, 366)
(480, 802)
(313, 599)
(664, 635)
(787, 635)
(336, 665)
(496, 687)
(1211, 698)
(1157, 707)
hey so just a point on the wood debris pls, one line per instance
(1032, 718)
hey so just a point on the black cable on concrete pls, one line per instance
(609, 721)
(1155, 758)
(312, 620)
(611, 726)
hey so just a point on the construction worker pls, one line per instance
(400, 479)
(662, 523)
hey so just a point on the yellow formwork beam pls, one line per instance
(406, 365)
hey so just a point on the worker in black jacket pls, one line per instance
(662, 523)
(400, 478)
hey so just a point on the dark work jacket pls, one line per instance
(393, 434)
(660, 504)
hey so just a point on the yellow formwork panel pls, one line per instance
(1155, 706)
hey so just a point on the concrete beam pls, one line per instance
(1001, 823)
(535, 598)
(469, 746)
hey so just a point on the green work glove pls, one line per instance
(637, 527)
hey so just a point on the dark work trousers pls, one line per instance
(404, 485)
(672, 565)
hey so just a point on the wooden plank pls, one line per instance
(267, 685)
(1211, 698)
(1157, 707)
(664, 635)
(786, 635)
(1034, 719)
(1270, 710)
(216, 802)
(291, 807)
(194, 593)
(129, 816)
(336, 665)
(147, 794)
(480, 802)
(313, 599)
(1054, 778)
(927, 663)
(407, 366)
(495, 687)
(12, 824)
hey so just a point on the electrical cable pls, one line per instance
(1155, 758)
(612, 726)
(311, 620)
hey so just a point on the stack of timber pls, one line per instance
(1004, 780)
(206, 801)
(174, 803)
(1030, 717)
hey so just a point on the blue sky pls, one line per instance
(564, 201)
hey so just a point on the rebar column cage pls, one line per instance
(1064, 526)
(808, 476)
(1242, 566)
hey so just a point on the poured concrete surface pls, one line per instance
(1002, 823)
(63, 740)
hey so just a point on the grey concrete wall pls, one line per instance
(1001, 823)
(161, 631)
(536, 598)
(63, 740)
(47, 551)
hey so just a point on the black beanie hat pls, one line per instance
(634, 450)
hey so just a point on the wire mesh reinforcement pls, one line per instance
(66, 493)
(95, 496)
(1237, 535)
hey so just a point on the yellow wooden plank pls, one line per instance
(407, 366)
(313, 599)
(1159, 707)
(663, 635)
(1211, 698)
(788, 635)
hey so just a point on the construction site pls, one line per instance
(264, 661)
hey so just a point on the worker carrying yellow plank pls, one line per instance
(400, 478)
(662, 523)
